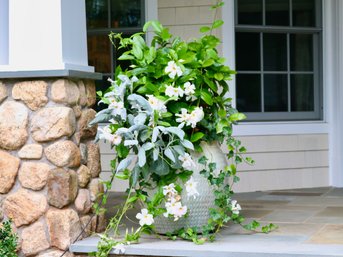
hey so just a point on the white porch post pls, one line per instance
(333, 78)
(47, 35)
(3, 32)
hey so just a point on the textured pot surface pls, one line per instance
(198, 208)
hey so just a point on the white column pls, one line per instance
(3, 32)
(47, 35)
(333, 81)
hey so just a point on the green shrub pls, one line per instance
(8, 240)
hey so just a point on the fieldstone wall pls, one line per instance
(49, 166)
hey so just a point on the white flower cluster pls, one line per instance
(145, 218)
(188, 90)
(173, 203)
(190, 119)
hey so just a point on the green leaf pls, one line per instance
(132, 199)
(137, 52)
(126, 57)
(160, 167)
(141, 157)
(205, 29)
(197, 136)
(222, 113)
(203, 160)
(206, 97)
(208, 63)
(211, 84)
(217, 24)
(237, 116)
(219, 76)
(122, 151)
(135, 175)
(221, 125)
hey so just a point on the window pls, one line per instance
(278, 57)
(103, 16)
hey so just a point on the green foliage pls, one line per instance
(8, 240)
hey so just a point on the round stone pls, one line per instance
(13, 123)
(63, 153)
(34, 175)
(8, 171)
(32, 93)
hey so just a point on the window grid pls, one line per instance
(316, 33)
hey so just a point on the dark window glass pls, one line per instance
(126, 13)
(99, 53)
(248, 89)
(304, 13)
(302, 93)
(275, 93)
(248, 51)
(275, 52)
(277, 12)
(97, 14)
(250, 12)
(301, 52)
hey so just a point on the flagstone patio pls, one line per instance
(310, 224)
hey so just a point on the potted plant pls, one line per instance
(167, 116)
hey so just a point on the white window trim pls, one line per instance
(151, 13)
(268, 128)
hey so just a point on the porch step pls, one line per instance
(227, 245)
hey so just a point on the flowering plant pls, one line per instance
(172, 98)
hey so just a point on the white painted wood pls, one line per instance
(151, 13)
(280, 128)
(333, 80)
(4, 40)
(47, 35)
(284, 143)
(282, 179)
(228, 37)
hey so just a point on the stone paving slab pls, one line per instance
(309, 226)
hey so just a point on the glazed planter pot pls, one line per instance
(198, 208)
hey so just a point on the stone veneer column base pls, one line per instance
(49, 165)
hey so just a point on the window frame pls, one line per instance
(317, 32)
(123, 30)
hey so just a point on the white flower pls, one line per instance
(174, 91)
(170, 189)
(179, 212)
(172, 70)
(157, 104)
(195, 116)
(187, 162)
(119, 249)
(235, 207)
(145, 218)
(184, 116)
(118, 105)
(189, 88)
(106, 134)
(191, 188)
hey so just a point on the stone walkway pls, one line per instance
(310, 224)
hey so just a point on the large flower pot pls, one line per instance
(198, 208)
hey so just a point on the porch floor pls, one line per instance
(310, 224)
